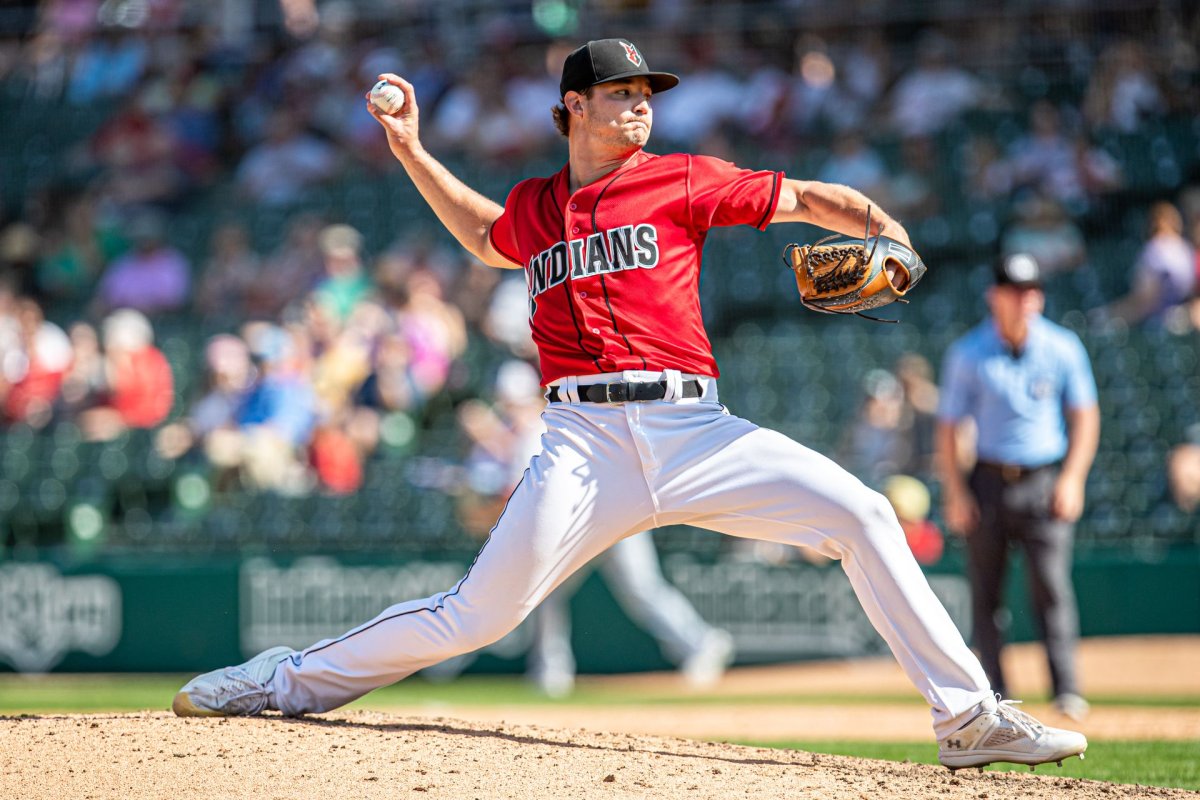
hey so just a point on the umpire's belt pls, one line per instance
(1011, 473)
(626, 392)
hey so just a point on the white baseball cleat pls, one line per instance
(1008, 734)
(230, 691)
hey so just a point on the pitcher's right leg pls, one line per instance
(580, 495)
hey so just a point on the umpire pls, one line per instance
(1027, 384)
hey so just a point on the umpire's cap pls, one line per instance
(1020, 270)
(609, 60)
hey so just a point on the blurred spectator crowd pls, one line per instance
(312, 341)
(319, 347)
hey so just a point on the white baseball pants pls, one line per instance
(606, 471)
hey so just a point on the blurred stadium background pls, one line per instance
(236, 346)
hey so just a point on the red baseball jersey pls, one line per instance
(613, 270)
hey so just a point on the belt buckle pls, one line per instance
(617, 392)
(1010, 472)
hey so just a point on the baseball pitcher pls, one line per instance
(636, 436)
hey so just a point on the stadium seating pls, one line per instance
(783, 367)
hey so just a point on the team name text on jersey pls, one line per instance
(626, 247)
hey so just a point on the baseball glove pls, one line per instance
(851, 276)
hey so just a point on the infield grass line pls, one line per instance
(1150, 763)
(63, 692)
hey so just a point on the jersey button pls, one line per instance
(596, 331)
(575, 229)
(574, 206)
(583, 294)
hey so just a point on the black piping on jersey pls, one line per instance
(440, 605)
(604, 286)
(771, 206)
(549, 187)
(496, 247)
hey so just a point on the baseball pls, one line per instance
(387, 97)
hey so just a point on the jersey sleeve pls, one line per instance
(502, 234)
(721, 194)
(1080, 389)
(954, 399)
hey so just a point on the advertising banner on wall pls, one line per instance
(187, 614)
(44, 615)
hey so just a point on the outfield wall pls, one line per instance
(156, 614)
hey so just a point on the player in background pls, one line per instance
(635, 434)
(1027, 383)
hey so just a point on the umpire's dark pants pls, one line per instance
(1015, 509)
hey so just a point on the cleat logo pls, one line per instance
(954, 743)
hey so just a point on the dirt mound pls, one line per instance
(371, 755)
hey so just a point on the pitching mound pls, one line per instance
(371, 755)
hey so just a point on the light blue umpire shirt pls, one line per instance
(1018, 400)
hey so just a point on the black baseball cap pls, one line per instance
(609, 60)
(1020, 270)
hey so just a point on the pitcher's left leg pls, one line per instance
(757, 483)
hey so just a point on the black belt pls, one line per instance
(626, 392)
(1014, 472)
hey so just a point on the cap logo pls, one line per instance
(632, 54)
(1022, 268)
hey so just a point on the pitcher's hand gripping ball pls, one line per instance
(387, 97)
(851, 276)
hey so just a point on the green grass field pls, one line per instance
(1153, 763)
(1150, 763)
